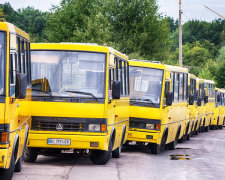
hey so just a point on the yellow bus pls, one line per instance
(209, 90)
(158, 104)
(15, 95)
(80, 100)
(219, 110)
(202, 101)
(192, 122)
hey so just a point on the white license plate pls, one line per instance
(59, 141)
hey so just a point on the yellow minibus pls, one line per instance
(192, 122)
(219, 110)
(209, 87)
(202, 101)
(15, 95)
(158, 104)
(80, 100)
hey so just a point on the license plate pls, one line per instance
(59, 141)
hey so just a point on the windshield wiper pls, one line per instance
(149, 100)
(85, 93)
(47, 92)
(143, 100)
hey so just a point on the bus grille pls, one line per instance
(63, 124)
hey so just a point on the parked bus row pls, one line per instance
(86, 98)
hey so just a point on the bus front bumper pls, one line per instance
(76, 141)
(140, 136)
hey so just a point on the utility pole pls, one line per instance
(180, 35)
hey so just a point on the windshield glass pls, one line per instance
(2, 60)
(68, 74)
(146, 85)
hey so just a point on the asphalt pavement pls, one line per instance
(201, 158)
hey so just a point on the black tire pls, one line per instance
(7, 174)
(116, 153)
(100, 157)
(206, 129)
(188, 137)
(181, 140)
(18, 166)
(30, 154)
(196, 132)
(220, 126)
(172, 145)
(155, 148)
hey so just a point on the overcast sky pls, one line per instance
(192, 9)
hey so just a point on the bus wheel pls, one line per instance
(7, 174)
(155, 148)
(206, 129)
(172, 145)
(196, 131)
(116, 153)
(18, 166)
(30, 154)
(101, 157)
(220, 126)
(188, 136)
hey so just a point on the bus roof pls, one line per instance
(192, 75)
(209, 81)
(5, 26)
(176, 68)
(145, 63)
(76, 46)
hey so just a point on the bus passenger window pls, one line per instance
(2, 61)
(128, 80)
(176, 87)
(181, 87)
(185, 86)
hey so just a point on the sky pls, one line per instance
(192, 9)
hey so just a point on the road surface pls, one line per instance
(203, 157)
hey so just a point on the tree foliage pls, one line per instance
(135, 28)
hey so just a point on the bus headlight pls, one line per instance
(94, 127)
(150, 126)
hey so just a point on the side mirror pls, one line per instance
(191, 99)
(21, 86)
(199, 101)
(169, 98)
(206, 99)
(116, 90)
(218, 98)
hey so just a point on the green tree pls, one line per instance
(1, 14)
(220, 75)
(201, 31)
(194, 54)
(139, 28)
(221, 56)
(69, 21)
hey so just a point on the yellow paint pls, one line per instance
(14, 112)
(171, 116)
(115, 111)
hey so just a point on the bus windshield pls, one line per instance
(2, 60)
(146, 85)
(68, 74)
